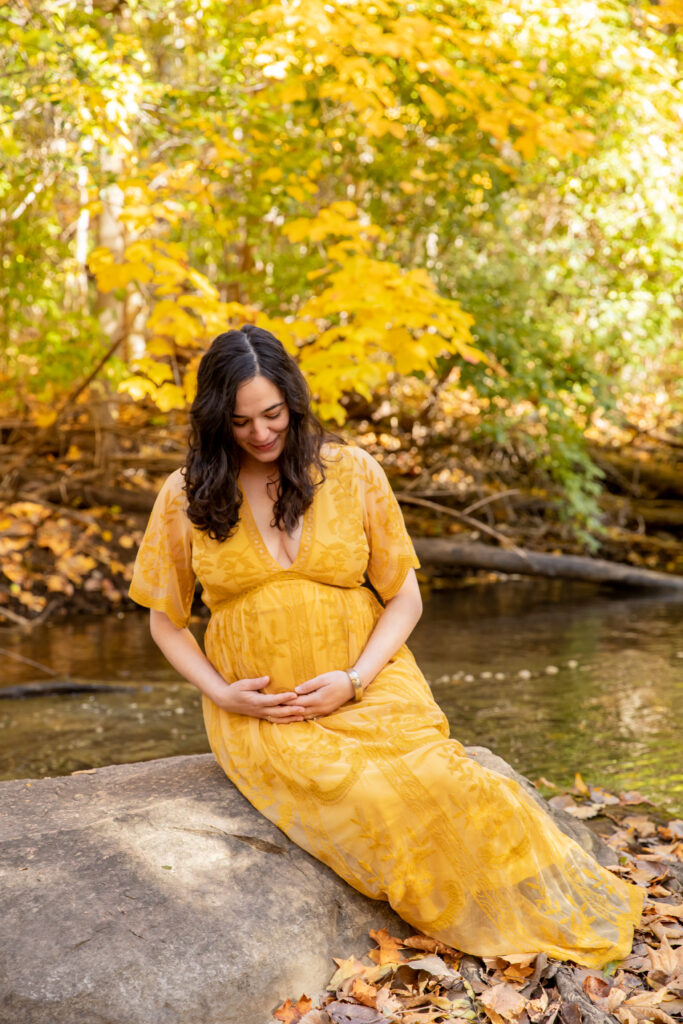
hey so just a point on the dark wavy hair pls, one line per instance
(213, 460)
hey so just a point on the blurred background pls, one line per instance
(464, 220)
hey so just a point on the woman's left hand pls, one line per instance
(325, 693)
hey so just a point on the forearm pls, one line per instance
(180, 648)
(392, 630)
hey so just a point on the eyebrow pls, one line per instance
(241, 416)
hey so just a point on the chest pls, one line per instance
(282, 545)
(329, 545)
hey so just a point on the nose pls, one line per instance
(260, 432)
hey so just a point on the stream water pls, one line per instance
(555, 677)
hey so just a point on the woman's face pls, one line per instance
(260, 420)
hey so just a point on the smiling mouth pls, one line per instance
(265, 447)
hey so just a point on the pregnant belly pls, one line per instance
(290, 630)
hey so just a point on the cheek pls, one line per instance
(239, 434)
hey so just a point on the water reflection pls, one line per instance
(555, 677)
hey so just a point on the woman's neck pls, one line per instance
(265, 472)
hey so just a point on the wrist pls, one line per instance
(221, 693)
(356, 683)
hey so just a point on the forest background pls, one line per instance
(463, 219)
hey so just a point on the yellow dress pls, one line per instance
(376, 789)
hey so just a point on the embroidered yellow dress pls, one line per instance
(376, 790)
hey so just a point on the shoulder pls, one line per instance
(172, 497)
(350, 458)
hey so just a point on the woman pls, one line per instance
(313, 704)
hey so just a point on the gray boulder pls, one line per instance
(154, 893)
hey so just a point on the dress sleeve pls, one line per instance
(163, 577)
(392, 553)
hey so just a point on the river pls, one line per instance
(555, 677)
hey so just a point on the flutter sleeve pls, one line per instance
(163, 577)
(392, 554)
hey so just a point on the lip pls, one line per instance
(265, 447)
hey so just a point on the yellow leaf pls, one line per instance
(76, 566)
(435, 103)
(45, 418)
(137, 387)
(272, 174)
(56, 584)
(296, 192)
(54, 537)
(494, 122)
(160, 347)
(34, 602)
(580, 786)
(170, 396)
(292, 92)
(158, 372)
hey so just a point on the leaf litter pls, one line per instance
(419, 980)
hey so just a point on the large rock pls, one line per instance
(154, 893)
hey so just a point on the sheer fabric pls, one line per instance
(376, 790)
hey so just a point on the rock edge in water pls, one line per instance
(154, 893)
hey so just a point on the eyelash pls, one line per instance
(273, 416)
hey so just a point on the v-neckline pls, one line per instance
(260, 544)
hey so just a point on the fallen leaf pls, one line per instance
(646, 1006)
(599, 795)
(580, 786)
(389, 946)
(570, 1013)
(563, 802)
(672, 830)
(633, 796)
(536, 1008)
(364, 993)
(665, 961)
(387, 1003)
(669, 909)
(291, 1013)
(584, 811)
(352, 1013)
(503, 1002)
(315, 1016)
(642, 825)
(430, 945)
(433, 965)
(345, 969)
(597, 989)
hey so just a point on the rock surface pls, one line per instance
(154, 893)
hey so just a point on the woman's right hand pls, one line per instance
(244, 697)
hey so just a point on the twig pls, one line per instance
(487, 501)
(27, 661)
(13, 617)
(500, 537)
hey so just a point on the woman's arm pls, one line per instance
(399, 618)
(327, 692)
(241, 697)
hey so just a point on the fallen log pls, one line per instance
(441, 553)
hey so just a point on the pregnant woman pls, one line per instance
(314, 706)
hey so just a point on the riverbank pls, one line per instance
(74, 505)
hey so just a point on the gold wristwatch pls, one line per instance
(357, 685)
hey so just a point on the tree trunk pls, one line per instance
(436, 552)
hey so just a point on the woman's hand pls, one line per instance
(324, 694)
(243, 697)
